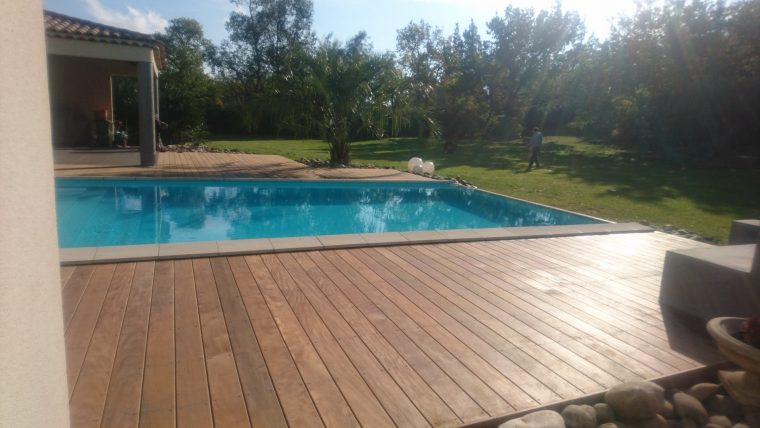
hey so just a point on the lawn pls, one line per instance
(593, 179)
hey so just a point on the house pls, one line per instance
(82, 57)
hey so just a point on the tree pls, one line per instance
(183, 83)
(527, 51)
(350, 89)
(461, 103)
(419, 49)
(265, 60)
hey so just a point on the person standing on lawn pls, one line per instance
(535, 143)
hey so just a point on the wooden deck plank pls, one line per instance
(439, 334)
(590, 276)
(347, 296)
(89, 393)
(480, 380)
(263, 406)
(466, 283)
(373, 356)
(542, 327)
(573, 322)
(227, 401)
(643, 338)
(365, 403)
(73, 293)
(158, 405)
(297, 404)
(85, 318)
(66, 273)
(421, 386)
(352, 409)
(553, 373)
(193, 400)
(122, 406)
(515, 385)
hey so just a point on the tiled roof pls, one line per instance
(68, 27)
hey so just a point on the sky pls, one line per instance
(341, 18)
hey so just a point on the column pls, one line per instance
(146, 112)
(33, 387)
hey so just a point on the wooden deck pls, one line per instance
(126, 163)
(424, 335)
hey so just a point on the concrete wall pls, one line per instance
(78, 87)
(33, 390)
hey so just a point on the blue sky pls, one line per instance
(343, 18)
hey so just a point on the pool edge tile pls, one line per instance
(351, 240)
(188, 249)
(301, 243)
(126, 253)
(384, 238)
(459, 235)
(70, 256)
(424, 237)
(244, 246)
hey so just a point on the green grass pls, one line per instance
(593, 179)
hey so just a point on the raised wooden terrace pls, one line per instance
(420, 335)
(125, 163)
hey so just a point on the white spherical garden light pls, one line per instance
(428, 168)
(415, 161)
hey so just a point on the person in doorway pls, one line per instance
(121, 136)
(535, 143)
(160, 127)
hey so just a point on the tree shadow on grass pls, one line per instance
(715, 190)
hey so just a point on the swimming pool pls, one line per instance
(128, 212)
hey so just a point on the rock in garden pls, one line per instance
(579, 416)
(604, 413)
(725, 405)
(614, 424)
(667, 410)
(688, 423)
(702, 391)
(540, 419)
(741, 425)
(687, 406)
(635, 400)
(720, 420)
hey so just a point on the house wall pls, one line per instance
(33, 391)
(78, 87)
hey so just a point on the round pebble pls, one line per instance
(579, 416)
(702, 391)
(635, 400)
(687, 406)
(720, 420)
(604, 413)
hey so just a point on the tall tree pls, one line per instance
(265, 59)
(527, 50)
(350, 89)
(419, 48)
(184, 84)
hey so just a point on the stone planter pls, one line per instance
(744, 385)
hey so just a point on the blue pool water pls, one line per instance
(126, 212)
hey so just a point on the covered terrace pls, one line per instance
(83, 56)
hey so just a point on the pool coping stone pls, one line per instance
(131, 253)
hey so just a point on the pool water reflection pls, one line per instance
(127, 212)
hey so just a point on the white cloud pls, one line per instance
(147, 21)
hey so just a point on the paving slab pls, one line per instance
(245, 246)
